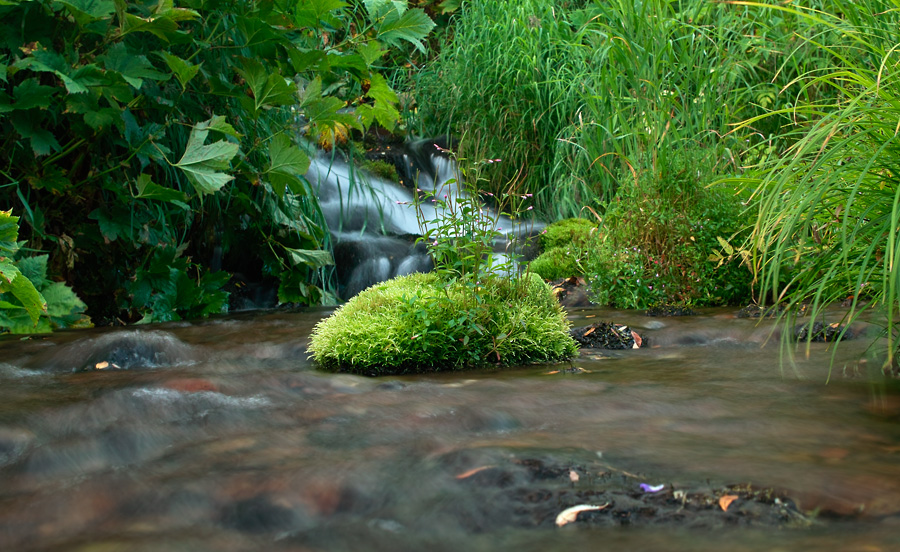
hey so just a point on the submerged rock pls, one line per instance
(120, 350)
(670, 310)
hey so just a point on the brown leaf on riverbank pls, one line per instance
(726, 500)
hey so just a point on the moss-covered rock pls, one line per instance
(574, 231)
(563, 243)
(557, 263)
(421, 323)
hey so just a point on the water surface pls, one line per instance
(222, 435)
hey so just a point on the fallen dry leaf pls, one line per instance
(726, 501)
(589, 332)
(571, 514)
(573, 476)
(637, 340)
(473, 471)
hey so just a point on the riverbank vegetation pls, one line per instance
(726, 151)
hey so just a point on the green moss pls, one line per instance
(381, 169)
(563, 243)
(421, 323)
(567, 231)
(556, 263)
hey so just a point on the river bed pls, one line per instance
(222, 435)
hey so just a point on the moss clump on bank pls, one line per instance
(562, 243)
(420, 323)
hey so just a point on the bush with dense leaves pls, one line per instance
(148, 144)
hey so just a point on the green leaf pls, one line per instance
(183, 70)
(449, 6)
(9, 233)
(371, 52)
(163, 28)
(110, 229)
(314, 258)
(61, 300)
(46, 61)
(302, 60)
(35, 269)
(87, 11)
(202, 164)
(379, 9)
(147, 189)
(24, 291)
(285, 157)
(268, 89)
(384, 110)
(412, 27)
(30, 94)
(101, 118)
(309, 13)
(42, 141)
(133, 68)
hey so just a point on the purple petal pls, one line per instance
(651, 488)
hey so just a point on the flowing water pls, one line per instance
(222, 435)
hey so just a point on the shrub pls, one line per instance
(659, 234)
(422, 323)
(127, 128)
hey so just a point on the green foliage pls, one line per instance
(29, 301)
(659, 234)
(830, 206)
(421, 323)
(136, 134)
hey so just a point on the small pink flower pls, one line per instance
(530, 207)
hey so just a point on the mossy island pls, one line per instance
(426, 323)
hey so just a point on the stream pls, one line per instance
(221, 435)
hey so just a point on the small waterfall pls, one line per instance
(373, 221)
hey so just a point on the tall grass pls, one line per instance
(570, 93)
(830, 207)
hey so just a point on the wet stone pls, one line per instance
(606, 335)
(821, 332)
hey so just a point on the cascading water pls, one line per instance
(374, 223)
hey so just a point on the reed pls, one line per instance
(830, 206)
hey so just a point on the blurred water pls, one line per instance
(225, 437)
